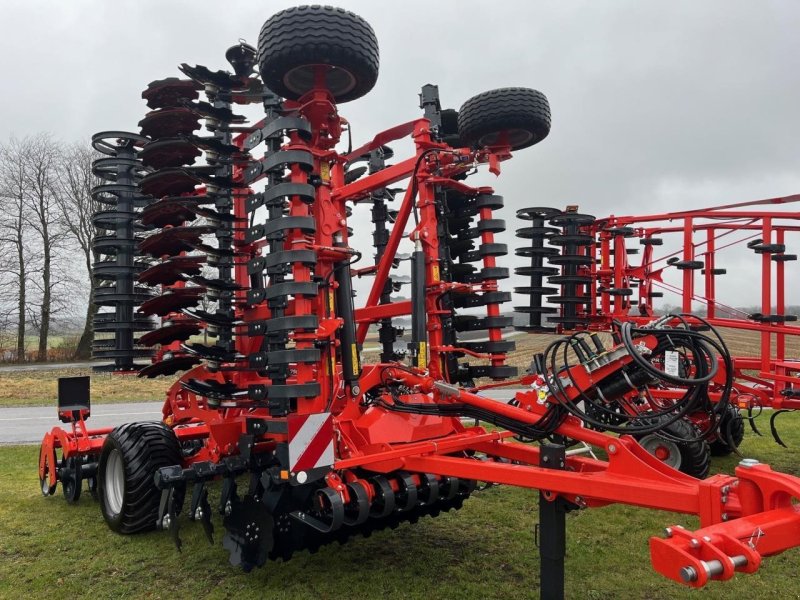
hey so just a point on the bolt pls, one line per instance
(546, 459)
(612, 449)
(748, 462)
(165, 522)
(725, 489)
(694, 543)
(688, 574)
(198, 514)
(706, 539)
(724, 499)
(724, 516)
(668, 532)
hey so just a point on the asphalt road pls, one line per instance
(12, 368)
(28, 424)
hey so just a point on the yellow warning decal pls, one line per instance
(435, 269)
(330, 301)
(354, 352)
(325, 171)
(422, 357)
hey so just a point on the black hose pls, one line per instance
(700, 347)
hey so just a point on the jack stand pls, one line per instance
(552, 530)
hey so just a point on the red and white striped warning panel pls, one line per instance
(310, 441)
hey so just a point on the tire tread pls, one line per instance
(145, 447)
(304, 35)
(505, 108)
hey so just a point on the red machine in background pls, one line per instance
(601, 284)
(281, 404)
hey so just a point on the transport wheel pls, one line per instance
(450, 128)
(731, 429)
(689, 456)
(131, 455)
(294, 42)
(518, 117)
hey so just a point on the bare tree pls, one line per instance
(77, 206)
(14, 229)
(41, 158)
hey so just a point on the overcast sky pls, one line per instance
(656, 105)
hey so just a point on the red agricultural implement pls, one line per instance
(603, 283)
(311, 445)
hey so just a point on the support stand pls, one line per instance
(552, 530)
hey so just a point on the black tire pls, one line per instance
(520, 115)
(692, 457)
(131, 455)
(294, 41)
(731, 429)
(449, 129)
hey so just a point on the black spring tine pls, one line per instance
(773, 429)
(752, 421)
(174, 506)
(205, 517)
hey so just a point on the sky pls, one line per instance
(656, 106)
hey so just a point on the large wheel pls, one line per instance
(690, 456)
(731, 429)
(295, 41)
(130, 457)
(517, 117)
(450, 128)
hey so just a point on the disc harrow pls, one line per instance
(116, 294)
(604, 285)
(248, 230)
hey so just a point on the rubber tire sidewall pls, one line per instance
(719, 444)
(695, 455)
(318, 35)
(504, 109)
(144, 492)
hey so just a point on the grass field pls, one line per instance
(486, 550)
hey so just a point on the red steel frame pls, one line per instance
(705, 233)
(750, 515)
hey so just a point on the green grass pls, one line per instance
(53, 550)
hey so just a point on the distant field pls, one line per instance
(740, 342)
(39, 388)
(32, 388)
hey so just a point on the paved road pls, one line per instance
(46, 366)
(27, 425)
